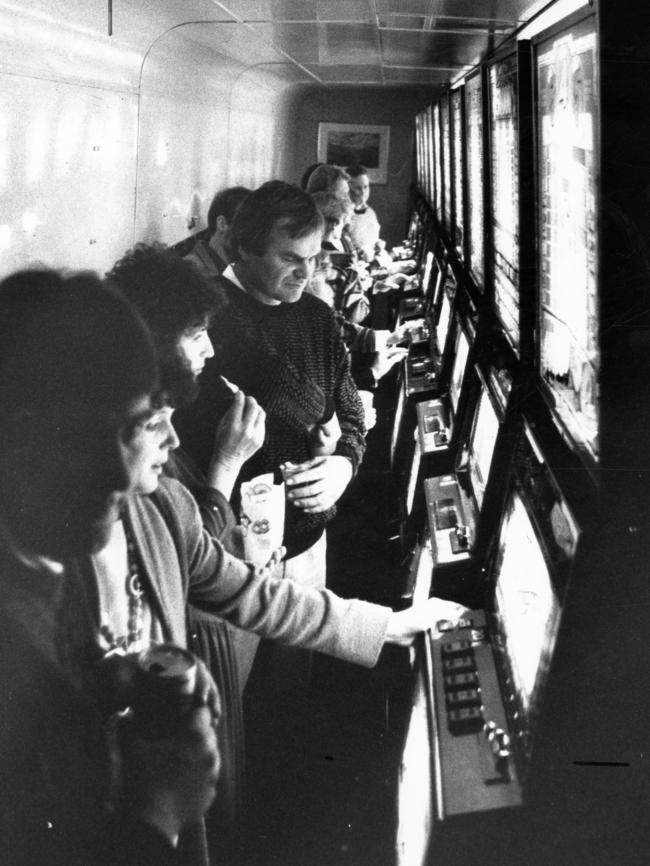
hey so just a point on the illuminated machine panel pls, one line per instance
(526, 606)
(474, 121)
(566, 71)
(444, 318)
(458, 370)
(437, 173)
(459, 202)
(537, 545)
(481, 446)
(505, 193)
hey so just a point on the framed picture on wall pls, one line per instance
(349, 143)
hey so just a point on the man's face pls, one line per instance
(359, 190)
(281, 273)
(69, 476)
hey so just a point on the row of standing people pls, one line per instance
(101, 556)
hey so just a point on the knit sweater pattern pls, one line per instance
(291, 358)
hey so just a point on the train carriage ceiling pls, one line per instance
(320, 42)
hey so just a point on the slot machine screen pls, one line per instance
(481, 444)
(525, 615)
(445, 130)
(457, 127)
(429, 261)
(566, 72)
(458, 370)
(415, 232)
(505, 194)
(444, 319)
(438, 285)
(526, 606)
(474, 120)
(437, 151)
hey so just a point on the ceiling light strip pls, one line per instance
(378, 44)
(433, 68)
(452, 31)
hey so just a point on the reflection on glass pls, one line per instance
(505, 194)
(438, 161)
(474, 115)
(570, 352)
(481, 446)
(458, 372)
(446, 162)
(526, 605)
(443, 321)
(459, 228)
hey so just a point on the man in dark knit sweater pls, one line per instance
(282, 347)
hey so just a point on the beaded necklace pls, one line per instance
(135, 592)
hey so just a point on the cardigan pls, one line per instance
(182, 563)
(216, 642)
(54, 765)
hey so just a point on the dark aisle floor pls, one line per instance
(323, 759)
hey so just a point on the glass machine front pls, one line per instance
(526, 606)
(459, 201)
(504, 159)
(481, 444)
(458, 369)
(444, 318)
(474, 121)
(437, 166)
(566, 72)
(445, 133)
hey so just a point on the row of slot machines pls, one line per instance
(486, 529)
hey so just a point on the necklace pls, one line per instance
(132, 641)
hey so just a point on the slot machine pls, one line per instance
(414, 294)
(480, 679)
(462, 505)
(439, 425)
(424, 371)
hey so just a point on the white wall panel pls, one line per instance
(67, 173)
(103, 144)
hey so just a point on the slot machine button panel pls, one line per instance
(459, 664)
(464, 698)
(455, 648)
(465, 721)
(457, 682)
